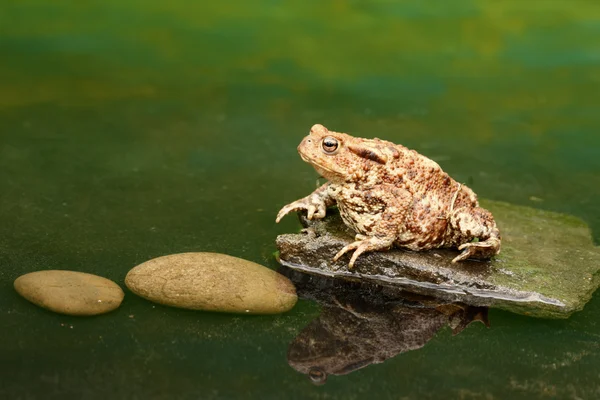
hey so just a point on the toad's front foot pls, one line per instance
(364, 244)
(314, 206)
(479, 250)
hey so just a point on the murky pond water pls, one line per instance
(130, 130)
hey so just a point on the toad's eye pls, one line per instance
(317, 375)
(330, 145)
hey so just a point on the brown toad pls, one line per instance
(390, 195)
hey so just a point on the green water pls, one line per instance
(134, 129)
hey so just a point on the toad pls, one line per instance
(393, 196)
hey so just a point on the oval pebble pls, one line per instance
(212, 282)
(70, 292)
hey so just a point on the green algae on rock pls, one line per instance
(212, 282)
(70, 292)
(548, 266)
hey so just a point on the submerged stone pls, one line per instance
(548, 266)
(212, 282)
(70, 292)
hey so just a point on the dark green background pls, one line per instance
(133, 129)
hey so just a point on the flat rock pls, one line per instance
(70, 292)
(212, 282)
(548, 266)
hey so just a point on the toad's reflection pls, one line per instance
(362, 325)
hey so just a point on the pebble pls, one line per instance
(70, 292)
(212, 282)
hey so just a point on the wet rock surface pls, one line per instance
(70, 292)
(363, 324)
(212, 282)
(548, 266)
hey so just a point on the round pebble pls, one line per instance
(70, 292)
(212, 282)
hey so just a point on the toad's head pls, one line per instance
(339, 157)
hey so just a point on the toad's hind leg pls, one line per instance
(470, 223)
(364, 244)
(381, 232)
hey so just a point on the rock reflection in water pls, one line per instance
(366, 324)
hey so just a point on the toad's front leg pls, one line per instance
(315, 204)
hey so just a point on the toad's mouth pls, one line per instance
(320, 168)
(305, 158)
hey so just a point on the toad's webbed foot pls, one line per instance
(362, 245)
(314, 209)
(315, 204)
(479, 250)
(470, 223)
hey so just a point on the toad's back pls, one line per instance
(434, 195)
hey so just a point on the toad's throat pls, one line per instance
(305, 158)
(327, 173)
